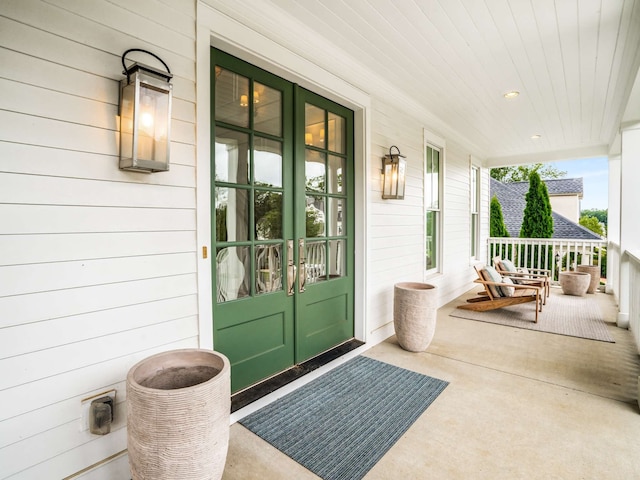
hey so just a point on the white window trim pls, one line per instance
(439, 143)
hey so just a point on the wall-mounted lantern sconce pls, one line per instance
(394, 167)
(145, 116)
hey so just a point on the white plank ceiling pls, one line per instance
(574, 63)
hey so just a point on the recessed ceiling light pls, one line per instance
(511, 94)
(536, 136)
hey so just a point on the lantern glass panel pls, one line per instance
(153, 124)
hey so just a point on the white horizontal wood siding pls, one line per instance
(97, 265)
(397, 227)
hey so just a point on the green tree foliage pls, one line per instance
(593, 224)
(601, 215)
(522, 173)
(537, 221)
(497, 228)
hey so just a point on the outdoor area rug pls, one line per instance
(563, 314)
(340, 424)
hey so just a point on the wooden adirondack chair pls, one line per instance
(530, 276)
(495, 294)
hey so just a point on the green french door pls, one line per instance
(282, 226)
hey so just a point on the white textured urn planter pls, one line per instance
(178, 408)
(414, 314)
(574, 283)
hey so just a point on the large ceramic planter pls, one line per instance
(414, 314)
(594, 271)
(178, 407)
(574, 283)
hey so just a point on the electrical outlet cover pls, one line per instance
(85, 406)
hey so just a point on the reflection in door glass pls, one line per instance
(267, 162)
(268, 214)
(316, 262)
(336, 258)
(335, 214)
(233, 273)
(314, 171)
(267, 109)
(337, 135)
(314, 126)
(315, 216)
(232, 98)
(232, 214)
(232, 156)
(268, 268)
(335, 180)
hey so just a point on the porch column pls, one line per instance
(613, 226)
(629, 201)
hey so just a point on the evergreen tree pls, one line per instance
(537, 221)
(497, 228)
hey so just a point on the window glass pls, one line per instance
(432, 202)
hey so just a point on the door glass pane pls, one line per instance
(232, 98)
(267, 162)
(233, 273)
(268, 215)
(314, 171)
(268, 268)
(337, 133)
(314, 126)
(267, 109)
(336, 209)
(232, 214)
(315, 217)
(232, 156)
(336, 258)
(335, 180)
(316, 269)
(432, 235)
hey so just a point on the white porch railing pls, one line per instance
(548, 253)
(634, 298)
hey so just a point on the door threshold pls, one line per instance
(264, 388)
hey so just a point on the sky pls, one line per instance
(595, 180)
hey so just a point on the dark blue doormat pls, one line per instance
(340, 424)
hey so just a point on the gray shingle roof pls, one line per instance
(555, 186)
(511, 198)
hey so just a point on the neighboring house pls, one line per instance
(564, 193)
(101, 268)
(512, 200)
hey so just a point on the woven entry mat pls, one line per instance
(563, 315)
(340, 424)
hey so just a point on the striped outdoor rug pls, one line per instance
(563, 314)
(340, 424)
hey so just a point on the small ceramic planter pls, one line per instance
(414, 314)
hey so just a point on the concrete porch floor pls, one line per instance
(520, 404)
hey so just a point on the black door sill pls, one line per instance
(251, 394)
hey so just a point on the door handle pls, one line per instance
(302, 271)
(291, 269)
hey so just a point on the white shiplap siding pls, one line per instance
(97, 265)
(396, 227)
